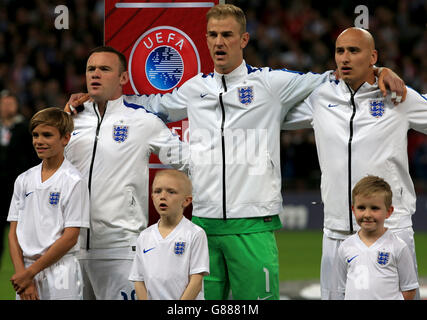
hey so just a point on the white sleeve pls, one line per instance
(293, 87)
(17, 202)
(76, 208)
(169, 148)
(199, 258)
(417, 110)
(169, 107)
(300, 117)
(136, 271)
(406, 270)
(340, 278)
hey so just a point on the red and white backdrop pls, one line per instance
(165, 45)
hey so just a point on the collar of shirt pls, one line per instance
(233, 78)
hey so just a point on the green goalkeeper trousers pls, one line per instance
(243, 267)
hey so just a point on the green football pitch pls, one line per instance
(299, 258)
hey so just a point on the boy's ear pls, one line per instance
(389, 212)
(66, 138)
(187, 201)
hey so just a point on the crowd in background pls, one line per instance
(42, 66)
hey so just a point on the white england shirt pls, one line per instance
(44, 209)
(378, 272)
(165, 264)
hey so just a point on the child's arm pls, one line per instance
(23, 278)
(193, 288)
(15, 249)
(409, 295)
(141, 290)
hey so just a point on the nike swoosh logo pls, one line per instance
(203, 95)
(76, 132)
(332, 105)
(27, 194)
(351, 259)
(265, 298)
(145, 251)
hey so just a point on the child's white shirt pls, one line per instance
(165, 264)
(378, 272)
(44, 209)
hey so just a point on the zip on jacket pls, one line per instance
(224, 196)
(350, 139)
(95, 143)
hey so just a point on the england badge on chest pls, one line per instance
(376, 108)
(120, 133)
(383, 258)
(54, 198)
(246, 95)
(179, 247)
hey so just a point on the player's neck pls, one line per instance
(50, 166)
(168, 223)
(370, 237)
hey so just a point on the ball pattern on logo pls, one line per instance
(164, 68)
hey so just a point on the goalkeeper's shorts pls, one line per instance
(245, 264)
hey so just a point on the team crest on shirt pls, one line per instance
(179, 247)
(376, 108)
(54, 198)
(246, 95)
(120, 133)
(383, 258)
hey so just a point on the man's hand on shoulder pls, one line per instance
(75, 103)
(387, 79)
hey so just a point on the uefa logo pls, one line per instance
(161, 59)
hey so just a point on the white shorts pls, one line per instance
(330, 250)
(61, 281)
(107, 279)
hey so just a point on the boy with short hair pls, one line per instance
(374, 264)
(171, 256)
(50, 204)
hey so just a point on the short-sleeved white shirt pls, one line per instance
(378, 272)
(44, 209)
(165, 264)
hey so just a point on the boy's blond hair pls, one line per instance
(222, 11)
(371, 185)
(179, 175)
(54, 117)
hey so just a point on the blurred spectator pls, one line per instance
(16, 152)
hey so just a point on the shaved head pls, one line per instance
(355, 56)
(362, 34)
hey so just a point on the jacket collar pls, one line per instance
(233, 78)
(112, 106)
(364, 88)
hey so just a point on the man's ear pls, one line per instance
(244, 40)
(124, 78)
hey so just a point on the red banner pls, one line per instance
(165, 45)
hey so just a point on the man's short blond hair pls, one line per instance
(54, 117)
(222, 11)
(372, 185)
